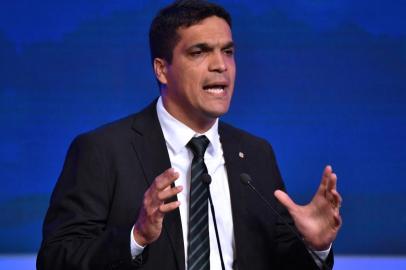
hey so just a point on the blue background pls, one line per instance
(323, 81)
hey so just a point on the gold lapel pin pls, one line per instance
(241, 154)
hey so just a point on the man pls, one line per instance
(130, 194)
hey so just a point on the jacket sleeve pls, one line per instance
(76, 233)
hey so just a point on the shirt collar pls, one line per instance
(177, 134)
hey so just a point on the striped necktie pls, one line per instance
(198, 236)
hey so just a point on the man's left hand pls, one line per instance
(319, 221)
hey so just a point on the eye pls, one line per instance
(229, 52)
(196, 53)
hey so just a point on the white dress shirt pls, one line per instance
(177, 135)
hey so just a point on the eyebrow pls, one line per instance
(205, 46)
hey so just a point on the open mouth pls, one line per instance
(215, 88)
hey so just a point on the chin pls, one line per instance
(216, 113)
(213, 110)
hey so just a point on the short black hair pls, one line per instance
(163, 35)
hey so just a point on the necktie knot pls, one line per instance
(198, 145)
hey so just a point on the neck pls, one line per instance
(198, 123)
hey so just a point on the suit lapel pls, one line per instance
(150, 147)
(235, 161)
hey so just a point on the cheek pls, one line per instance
(193, 78)
(232, 67)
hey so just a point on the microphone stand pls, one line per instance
(206, 179)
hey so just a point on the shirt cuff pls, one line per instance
(136, 249)
(323, 254)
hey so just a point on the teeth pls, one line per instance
(215, 90)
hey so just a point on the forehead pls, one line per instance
(212, 30)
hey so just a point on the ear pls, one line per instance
(160, 69)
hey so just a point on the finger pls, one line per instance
(165, 208)
(337, 196)
(165, 179)
(337, 219)
(332, 182)
(169, 192)
(336, 199)
(168, 207)
(325, 179)
(161, 183)
(284, 199)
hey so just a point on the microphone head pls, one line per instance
(206, 179)
(245, 178)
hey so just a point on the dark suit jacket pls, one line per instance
(100, 190)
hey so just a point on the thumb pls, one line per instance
(284, 199)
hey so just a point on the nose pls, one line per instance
(218, 62)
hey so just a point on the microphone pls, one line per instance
(206, 179)
(246, 180)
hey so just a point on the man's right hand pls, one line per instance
(148, 226)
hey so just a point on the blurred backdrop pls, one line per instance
(323, 81)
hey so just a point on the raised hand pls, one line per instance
(148, 226)
(319, 221)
